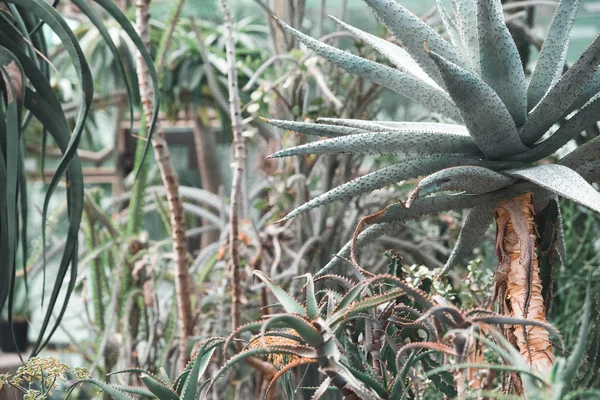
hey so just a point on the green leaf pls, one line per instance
(401, 126)
(469, 179)
(160, 389)
(562, 95)
(501, 66)
(288, 302)
(400, 82)
(304, 328)
(477, 222)
(582, 154)
(364, 305)
(312, 306)
(562, 181)
(411, 31)
(315, 129)
(466, 16)
(396, 173)
(551, 60)
(451, 29)
(199, 364)
(578, 353)
(431, 142)
(487, 118)
(589, 91)
(396, 54)
(116, 394)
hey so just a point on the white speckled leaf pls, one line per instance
(589, 91)
(466, 12)
(396, 54)
(585, 118)
(470, 179)
(411, 31)
(451, 29)
(585, 153)
(400, 82)
(396, 173)
(380, 126)
(501, 66)
(388, 143)
(311, 128)
(476, 224)
(485, 116)
(551, 60)
(562, 181)
(562, 95)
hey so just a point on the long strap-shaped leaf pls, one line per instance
(485, 115)
(563, 181)
(396, 173)
(411, 31)
(452, 30)
(501, 66)
(466, 15)
(562, 95)
(311, 128)
(396, 54)
(403, 126)
(287, 302)
(551, 60)
(398, 81)
(470, 179)
(388, 143)
(589, 91)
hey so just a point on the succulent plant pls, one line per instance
(493, 143)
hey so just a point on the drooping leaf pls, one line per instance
(401, 82)
(477, 222)
(501, 66)
(288, 302)
(406, 143)
(551, 60)
(411, 31)
(562, 181)
(562, 95)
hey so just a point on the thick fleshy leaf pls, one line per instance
(411, 31)
(583, 154)
(312, 307)
(590, 171)
(562, 95)
(199, 364)
(485, 115)
(562, 181)
(585, 118)
(466, 15)
(469, 179)
(477, 222)
(451, 29)
(311, 128)
(589, 91)
(389, 143)
(551, 60)
(287, 302)
(362, 305)
(159, 389)
(501, 66)
(400, 82)
(396, 54)
(396, 173)
(385, 126)
(108, 389)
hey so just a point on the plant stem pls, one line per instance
(171, 183)
(239, 162)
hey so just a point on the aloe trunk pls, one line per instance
(518, 277)
(171, 184)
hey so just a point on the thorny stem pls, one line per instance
(171, 183)
(239, 162)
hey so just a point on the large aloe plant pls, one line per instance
(492, 145)
(26, 92)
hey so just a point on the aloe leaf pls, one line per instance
(159, 389)
(57, 127)
(288, 302)
(485, 115)
(367, 304)
(305, 329)
(322, 389)
(138, 391)
(402, 126)
(396, 54)
(583, 154)
(574, 361)
(350, 296)
(200, 362)
(562, 95)
(466, 16)
(563, 181)
(411, 31)
(561, 245)
(433, 142)
(469, 179)
(311, 128)
(477, 222)
(584, 118)
(451, 28)
(551, 60)
(396, 173)
(501, 66)
(589, 91)
(312, 307)
(368, 381)
(590, 171)
(400, 82)
(140, 371)
(108, 389)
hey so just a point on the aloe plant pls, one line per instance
(491, 145)
(27, 93)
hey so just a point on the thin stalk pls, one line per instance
(171, 183)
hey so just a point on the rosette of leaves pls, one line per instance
(27, 94)
(491, 151)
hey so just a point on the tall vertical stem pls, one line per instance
(239, 163)
(171, 184)
(519, 280)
